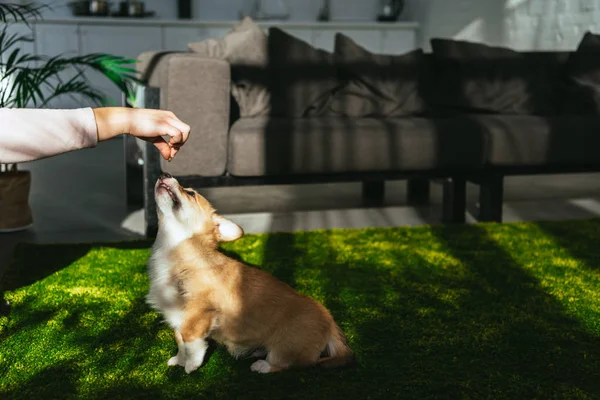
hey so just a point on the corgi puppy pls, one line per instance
(202, 294)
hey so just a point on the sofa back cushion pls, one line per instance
(582, 75)
(244, 47)
(477, 78)
(377, 85)
(302, 77)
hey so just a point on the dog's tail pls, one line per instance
(338, 351)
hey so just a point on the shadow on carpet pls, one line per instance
(485, 311)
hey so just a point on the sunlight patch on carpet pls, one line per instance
(485, 311)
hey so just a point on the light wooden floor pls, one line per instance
(80, 197)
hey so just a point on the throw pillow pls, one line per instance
(582, 73)
(245, 49)
(377, 85)
(473, 77)
(302, 76)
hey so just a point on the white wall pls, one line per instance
(519, 24)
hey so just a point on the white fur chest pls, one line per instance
(164, 295)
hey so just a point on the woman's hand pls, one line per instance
(146, 124)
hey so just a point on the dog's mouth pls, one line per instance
(167, 188)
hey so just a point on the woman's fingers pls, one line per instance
(167, 132)
(164, 148)
(175, 134)
(167, 150)
(183, 128)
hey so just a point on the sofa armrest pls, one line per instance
(197, 90)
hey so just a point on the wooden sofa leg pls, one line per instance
(134, 192)
(152, 172)
(151, 221)
(417, 192)
(150, 98)
(373, 193)
(491, 195)
(134, 176)
(454, 200)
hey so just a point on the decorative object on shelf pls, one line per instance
(390, 10)
(128, 8)
(266, 10)
(325, 11)
(93, 8)
(184, 9)
(133, 8)
(31, 80)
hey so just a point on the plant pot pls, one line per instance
(15, 213)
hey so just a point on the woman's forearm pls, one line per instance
(31, 134)
(113, 121)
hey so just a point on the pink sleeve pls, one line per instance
(29, 134)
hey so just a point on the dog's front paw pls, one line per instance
(261, 366)
(192, 365)
(176, 360)
(194, 352)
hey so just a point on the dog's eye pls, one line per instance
(190, 192)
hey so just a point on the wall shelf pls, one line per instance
(123, 21)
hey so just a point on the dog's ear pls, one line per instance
(227, 231)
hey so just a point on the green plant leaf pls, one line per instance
(12, 58)
(11, 12)
(75, 86)
(7, 41)
(34, 80)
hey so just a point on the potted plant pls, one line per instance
(31, 80)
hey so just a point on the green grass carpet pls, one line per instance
(507, 311)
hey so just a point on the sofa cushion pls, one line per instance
(244, 47)
(278, 146)
(302, 77)
(476, 78)
(582, 72)
(532, 140)
(376, 85)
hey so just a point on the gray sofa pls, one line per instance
(272, 150)
(478, 133)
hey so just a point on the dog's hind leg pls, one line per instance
(279, 359)
(259, 353)
(273, 363)
(263, 367)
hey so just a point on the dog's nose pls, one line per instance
(165, 175)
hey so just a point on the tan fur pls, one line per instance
(242, 307)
